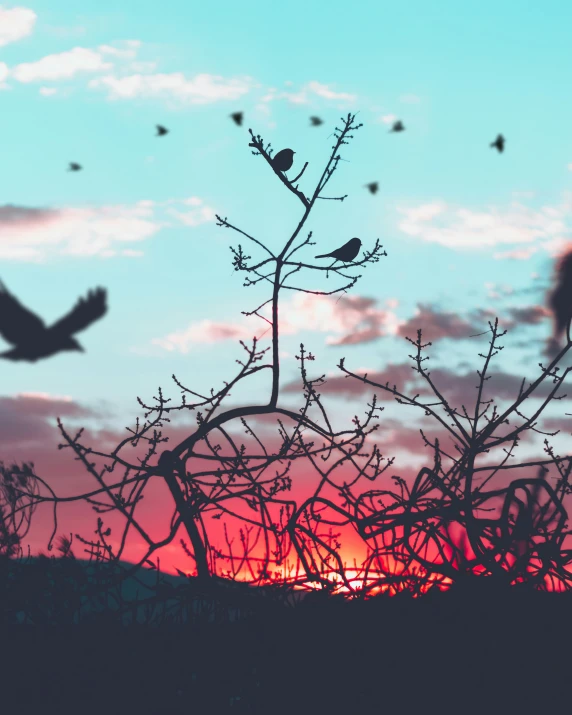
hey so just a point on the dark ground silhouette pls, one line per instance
(448, 652)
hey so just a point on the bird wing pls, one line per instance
(86, 311)
(17, 324)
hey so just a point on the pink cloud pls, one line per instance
(30, 418)
(528, 315)
(437, 325)
(400, 375)
(35, 234)
(355, 319)
(203, 332)
(458, 388)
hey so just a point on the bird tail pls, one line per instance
(323, 255)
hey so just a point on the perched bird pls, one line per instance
(560, 299)
(74, 166)
(397, 126)
(32, 339)
(345, 253)
(161, 131)
(316, 121)
(373, 187)
(283, 160)
(499, 143)
(237, 117)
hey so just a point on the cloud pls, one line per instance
(387, 119)
(355, 319)
(307, 93)
(13, 216)
(496, 291)
(401, 375)
(201, 333)
(528, 315)
(394, 435)
(15, 24)
(64, 65)
(461, 388)
(30, 418)
(4, 72)
(352, 320)
(324, 91)
(458, 388)
(34, 234)
(48, 91)
(196, 216)
(437, 325)
(462, 229)
(519, 254)
(128, 51)
(201, 89)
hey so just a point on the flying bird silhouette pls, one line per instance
(345, 253)
(32, 339)
(498, 143)
(373, 187)
(283, 160)
(397, 126)
(161, 131)
(560, 299)
(237, 117)
(74, 166)
(316, 121)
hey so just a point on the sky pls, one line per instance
(470, 233)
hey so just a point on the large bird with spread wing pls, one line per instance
(30, 336)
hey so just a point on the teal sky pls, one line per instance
(466, 229)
